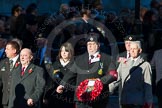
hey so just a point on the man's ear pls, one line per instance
(140, 51)
(31, 57)
(15, 51)
(98, 45)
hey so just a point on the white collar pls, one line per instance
(85, 20)
(25, 67)
(95, 55)
(95, 58)
(63, 63)
(135, 59)
(14, 59)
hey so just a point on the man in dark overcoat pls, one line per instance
(27, 83)
(92, 65)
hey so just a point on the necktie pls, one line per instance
(22, 71)
(92, 56)
(90, 60)
(132, 62)
(128, 55)
(11, 64)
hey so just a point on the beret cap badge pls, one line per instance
(91, 39)
(130, 38)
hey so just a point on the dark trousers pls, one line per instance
(5, 106)
(159, 93)
(131, 106)
(98, 104)
(159, 101)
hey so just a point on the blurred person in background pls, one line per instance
(15, 12)
(157, 69)
(28, 36)
(3, 43)
(32, 9)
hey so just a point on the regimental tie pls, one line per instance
(90, 60)
(22, 71)
(11, 64)
(128, 55)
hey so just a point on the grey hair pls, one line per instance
(138, 43)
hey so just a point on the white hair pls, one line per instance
(138, 43)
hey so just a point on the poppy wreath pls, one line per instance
(86, 92)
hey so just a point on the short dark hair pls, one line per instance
(14, 45)
(85, 11)
(31, 8)
(15, 8)
(69, 48)
(18, 41)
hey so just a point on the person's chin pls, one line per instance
(23, 63)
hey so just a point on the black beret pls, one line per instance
(93, 37)
(130, 38)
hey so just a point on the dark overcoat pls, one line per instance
(30, 85)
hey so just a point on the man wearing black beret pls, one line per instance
(126, 54)
(92, 65)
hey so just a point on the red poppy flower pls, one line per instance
(99, 56)
(30, 70)
(17, 64)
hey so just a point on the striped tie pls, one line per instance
(11, 64)
(22, 71)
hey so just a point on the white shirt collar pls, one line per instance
(14, 59)
(95, 55)
(135, 59)
(25, 67)
(95, 58)
(64, 63)
(85, 20)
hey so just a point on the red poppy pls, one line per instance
(17, 64)
(30, 70)
(99, 56)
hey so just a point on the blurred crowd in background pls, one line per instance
(26, 25)
(73, 21)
